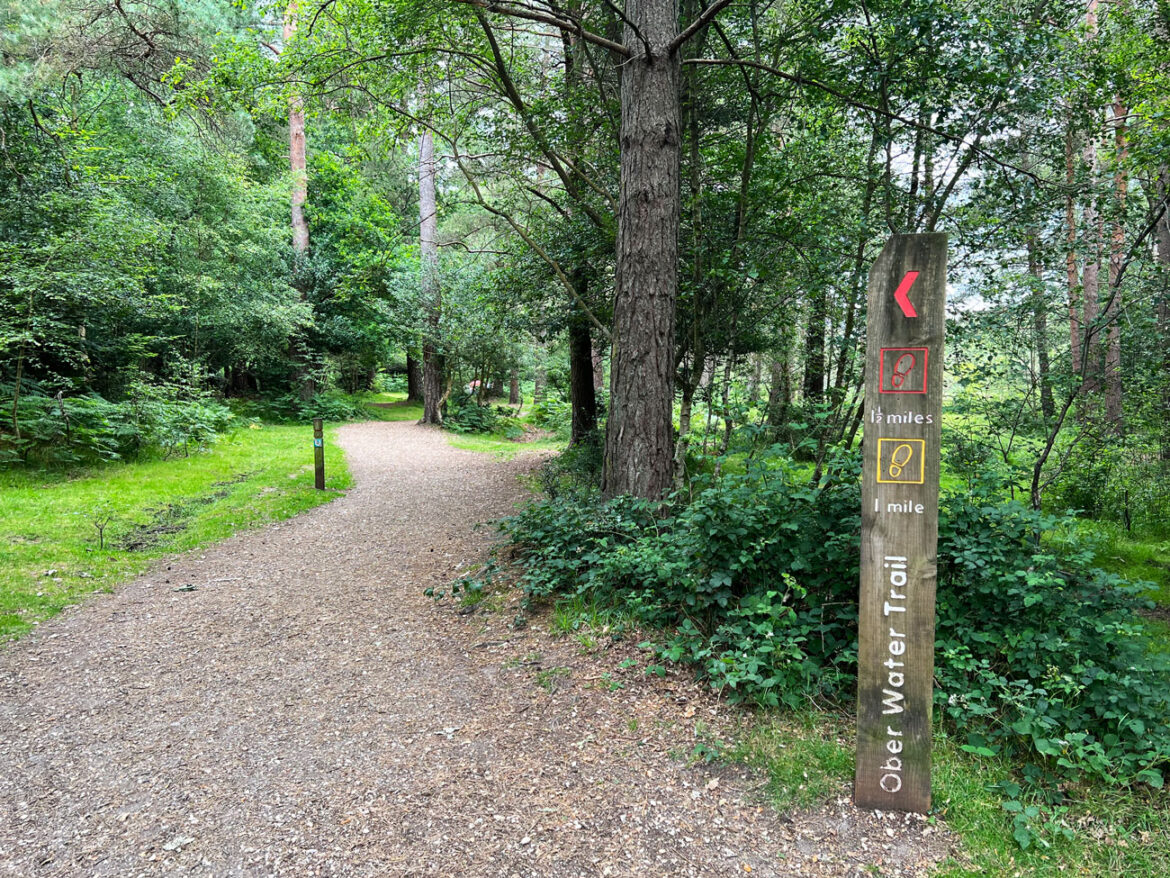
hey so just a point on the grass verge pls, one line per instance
(65, 534)
(808, 758)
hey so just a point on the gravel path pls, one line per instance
(305, 710)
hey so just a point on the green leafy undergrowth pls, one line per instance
(1042, 658)
(66, 533)
(155, 420)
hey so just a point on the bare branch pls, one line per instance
(534, 15)
(697, 25)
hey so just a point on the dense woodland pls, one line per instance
(652, 219)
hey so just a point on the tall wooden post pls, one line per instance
(899, 522)
(318, 455)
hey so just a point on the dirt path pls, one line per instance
(305, 710)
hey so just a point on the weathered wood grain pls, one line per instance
(903, 401)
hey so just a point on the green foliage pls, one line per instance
(156, 419)
(331, 405)
(465, 415)
(1040, 655)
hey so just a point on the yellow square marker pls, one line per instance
(901, 461)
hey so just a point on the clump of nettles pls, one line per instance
(1040, 656)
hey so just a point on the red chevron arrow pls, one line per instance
(900, 294)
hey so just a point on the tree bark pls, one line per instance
(1112, 315)
(1040, 329)
(514, 388)
(582, 397)
(1073, 275)
(1163, 314)
(298, 167)
(779, 393)
(639, 435)
(429, 282)
(814, 338)
(296, 151)
(414, 379)
(1091, 284)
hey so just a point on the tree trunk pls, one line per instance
(582, 397)
(414, 379)
(598, 369)
(301, 377)
(1091, 285)
(639, 436)
(1040, 329)
(429, 282)
(814, 363)
(514, 388)
(1073, 276)
(296, 151)
(779, 393)
(1163, 314)
(753, 385)
(1112, 315)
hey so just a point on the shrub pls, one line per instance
(330, 405)
(161, 419)
(754, 582)
(465, 415)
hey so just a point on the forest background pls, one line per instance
(646, 227)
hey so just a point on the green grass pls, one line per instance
(499, 446)
(391, 407)
(808, 758)
(1132, 557)
(51, 552)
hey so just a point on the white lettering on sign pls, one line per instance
(880, 417)
(892, 697)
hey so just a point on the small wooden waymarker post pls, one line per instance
(318, 455)
(899, 522)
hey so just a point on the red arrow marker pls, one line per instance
(900, 294)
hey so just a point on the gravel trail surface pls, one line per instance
(288, 702)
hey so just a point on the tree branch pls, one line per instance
(697, 25)
(862, 105)
(533, 15)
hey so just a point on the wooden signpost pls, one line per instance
(318, 454)
(899, 522)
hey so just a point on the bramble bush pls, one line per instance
(1040, 656)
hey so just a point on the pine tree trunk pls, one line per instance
(298, 166)
(514, 388)
(429, 283)
(640, 436)
(296, 152)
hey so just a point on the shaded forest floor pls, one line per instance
(289, 702)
